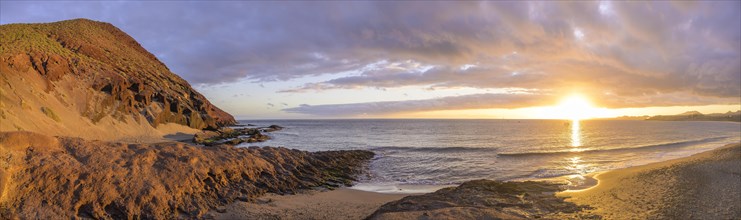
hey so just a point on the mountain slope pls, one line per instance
(80, 76)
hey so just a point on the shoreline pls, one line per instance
(705, 185)
(588, 180)
(354, 203)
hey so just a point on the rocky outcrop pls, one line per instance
(43, 177)
(271, 128)
(485, 199)
(98, 71)
(234, 136)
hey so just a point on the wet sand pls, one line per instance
(702, 186)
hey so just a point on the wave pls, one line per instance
(645, 147)
(434, 149)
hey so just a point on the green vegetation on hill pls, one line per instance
(50, 113)
(101, 57)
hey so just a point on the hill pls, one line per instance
(90, 79)
(697, 116)
(68, 82)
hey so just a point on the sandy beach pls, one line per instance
(342, 203)
(702, 186)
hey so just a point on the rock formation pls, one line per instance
(75, 69)
(43, 177)
(234, 136)
(485, 199)
(88, 79)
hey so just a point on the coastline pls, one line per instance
(706, 185)
(702, 185)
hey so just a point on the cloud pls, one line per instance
(496, 100)
(474, 101)
(631, 50)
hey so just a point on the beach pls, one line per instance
(703, 186)
(338, 204)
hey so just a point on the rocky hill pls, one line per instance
(80, 77)
(94, 87)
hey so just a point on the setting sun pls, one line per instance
(576, 107)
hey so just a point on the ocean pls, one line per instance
(423, 155)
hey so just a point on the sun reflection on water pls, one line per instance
(575, 164)
(575, 134)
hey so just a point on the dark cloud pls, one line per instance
(630, 50)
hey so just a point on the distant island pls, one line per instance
(687, 116)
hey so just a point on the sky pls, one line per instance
(503, 59)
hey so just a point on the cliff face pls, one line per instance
(77, 70)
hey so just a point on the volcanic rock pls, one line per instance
(485, 199)
(205, 136)
(232, 136)
(272, 128)
(43, 177)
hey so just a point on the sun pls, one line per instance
(576, 107)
